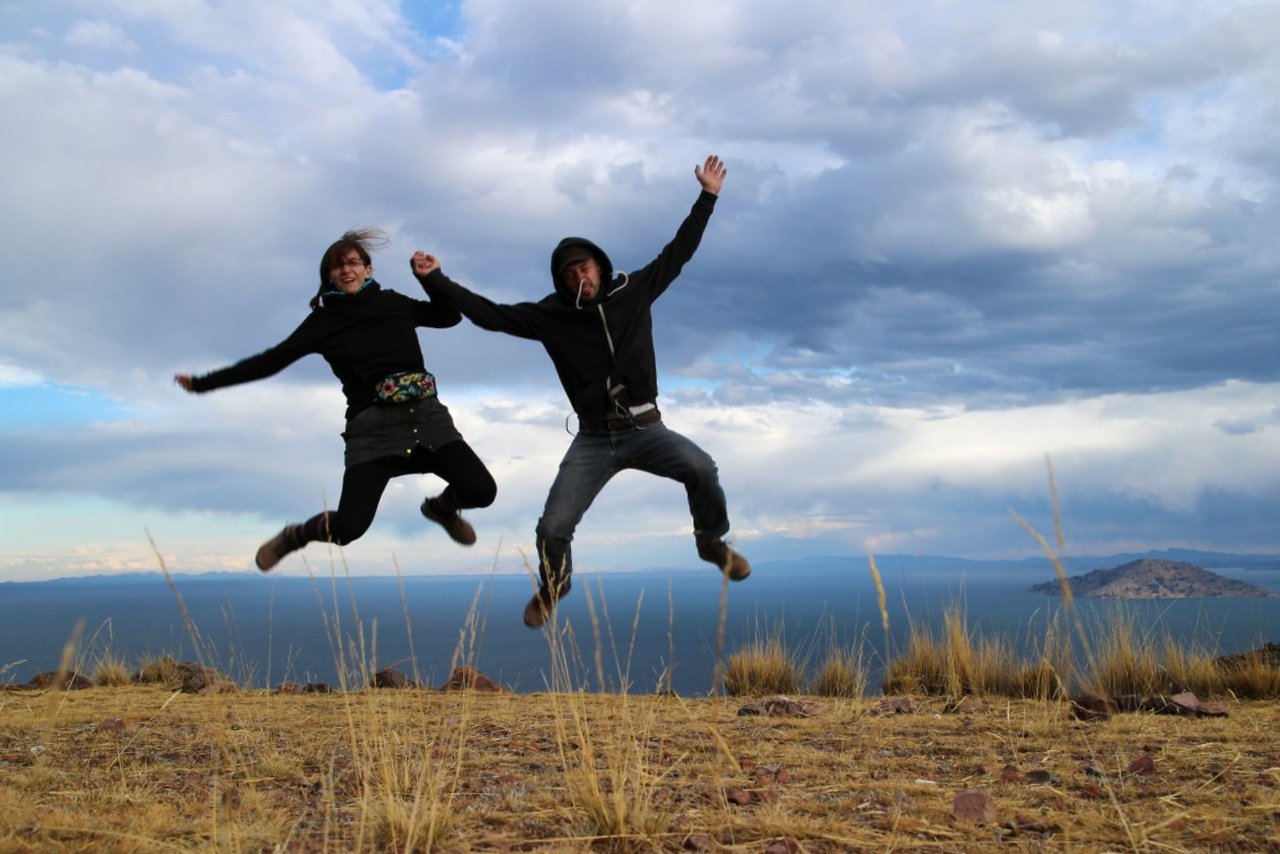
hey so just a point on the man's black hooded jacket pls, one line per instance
(599, 345)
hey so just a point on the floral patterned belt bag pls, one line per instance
(406, 387)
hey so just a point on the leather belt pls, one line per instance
(613, 423)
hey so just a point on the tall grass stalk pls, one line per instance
(881, 601)
(1066, 672)
(722, 620)
(408, 621)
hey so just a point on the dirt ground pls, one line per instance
(142, 768)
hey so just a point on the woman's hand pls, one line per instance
(423, 264)
(185, 381)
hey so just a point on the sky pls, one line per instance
(971, 260)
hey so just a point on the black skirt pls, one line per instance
(394, 430)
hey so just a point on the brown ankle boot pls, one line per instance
(273, 550)
(540, 606)
(454, 525)
(730, 562)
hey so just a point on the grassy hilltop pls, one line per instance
(971, 748)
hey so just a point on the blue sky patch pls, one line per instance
(53, 405)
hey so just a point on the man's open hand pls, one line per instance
(711, 175)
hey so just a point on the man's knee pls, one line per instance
(697, 466)
(554, 529)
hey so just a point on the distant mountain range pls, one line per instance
(1148, 578)
(886, 562)
(1206, 559)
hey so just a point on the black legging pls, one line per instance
(469, 485)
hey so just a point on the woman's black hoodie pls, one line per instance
(365, 337)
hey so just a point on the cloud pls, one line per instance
(952, 240)
(99, 35)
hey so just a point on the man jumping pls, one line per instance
(598, 330)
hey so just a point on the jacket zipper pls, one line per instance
(613, 356)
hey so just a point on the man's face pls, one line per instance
(584, 273)
(349, 273)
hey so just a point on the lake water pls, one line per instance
(263, 630)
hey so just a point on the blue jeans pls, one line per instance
(594, 458)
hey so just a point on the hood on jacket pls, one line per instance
(562, 249)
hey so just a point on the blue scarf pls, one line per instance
(338, 293)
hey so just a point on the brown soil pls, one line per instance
(142, 768)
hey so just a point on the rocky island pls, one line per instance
(1155, 579)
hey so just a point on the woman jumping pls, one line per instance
(395, 423)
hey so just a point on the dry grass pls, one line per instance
(110, 670)
(763, 666)
(844, 672)
(159, 670)
(139, 768)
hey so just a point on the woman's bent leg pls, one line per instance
(468, 484)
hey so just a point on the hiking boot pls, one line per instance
(730, 562)
(273, 550)
(454, 525)
(543, 603)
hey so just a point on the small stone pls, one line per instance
(1022, 824)
(59, 680)
(966, 705)
(741, 797)
(470, 679)
(496, 842)
(975, 805)
(1043, 777)
(1087, 707)
(764, 774)
(895, 706)
(1189, 704)
(781, 707)
(1143, 765)
(110, 725)
(1092, 791)
(782, 846)
(389, 677)
(1127, 703)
